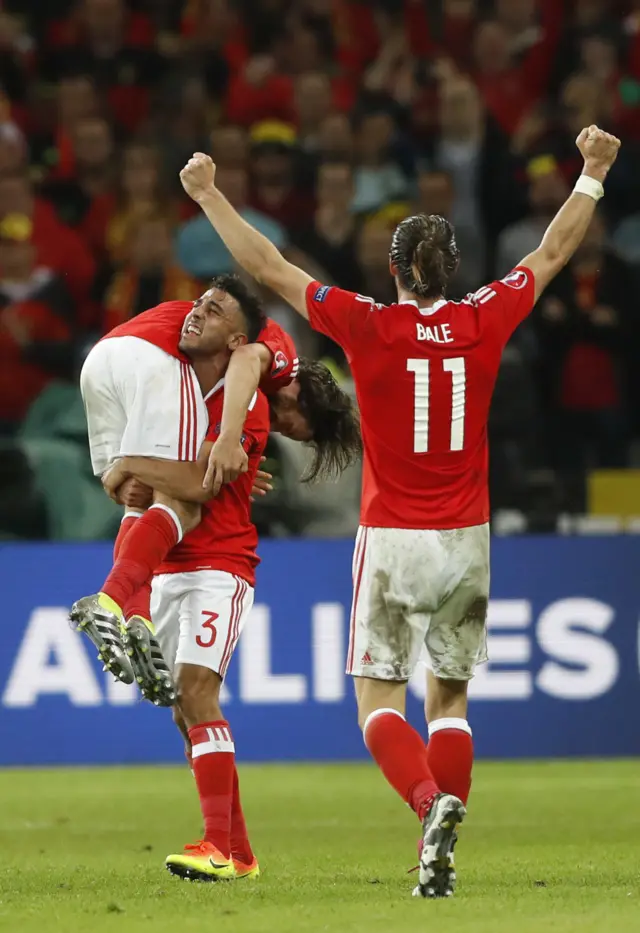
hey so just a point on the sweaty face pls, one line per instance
(215, 323)
(286, 417)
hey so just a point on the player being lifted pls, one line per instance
(142, 398)
(424, 370)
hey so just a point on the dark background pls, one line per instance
(329, 121)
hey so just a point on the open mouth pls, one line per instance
(193, 329)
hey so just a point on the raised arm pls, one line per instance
(568, 228)
(250, 249)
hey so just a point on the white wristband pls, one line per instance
(589, 186)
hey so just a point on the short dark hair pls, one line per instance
(333, 419)
(425, 254)
(249, 304)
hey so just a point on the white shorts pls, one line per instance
(199, 616)
(417, 589)
(140, 402)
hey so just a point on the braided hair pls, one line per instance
(424, 254)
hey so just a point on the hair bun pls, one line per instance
(425, 254)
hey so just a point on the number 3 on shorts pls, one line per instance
(210, 619)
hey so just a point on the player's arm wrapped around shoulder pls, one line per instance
(179, 479)
(247, 366)
(227, 459)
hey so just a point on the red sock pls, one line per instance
(126, 525)
(140, 603)
(213, 754)
(401, 755)
(450, 755)
(240, 845)
(144, 547)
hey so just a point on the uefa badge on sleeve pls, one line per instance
(280, 362)
(517, 279)
(321, 293)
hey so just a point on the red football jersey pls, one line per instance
(424, 380)
(162, 327)
(226, 539)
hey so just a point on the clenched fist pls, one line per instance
(599, 150)
(198, 176)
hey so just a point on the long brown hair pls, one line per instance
(334, 421)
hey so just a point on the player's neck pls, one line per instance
(210, 370)
(405, 295)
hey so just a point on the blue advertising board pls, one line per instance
(564, 640)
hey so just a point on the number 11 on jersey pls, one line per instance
(421, 371)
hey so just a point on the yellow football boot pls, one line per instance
(247, 871)
(201, 862)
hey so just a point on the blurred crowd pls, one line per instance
(329, 121)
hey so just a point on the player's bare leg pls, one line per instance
(213, 763)
(400, 753)
(184, 732)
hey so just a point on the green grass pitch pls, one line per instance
(547, 848)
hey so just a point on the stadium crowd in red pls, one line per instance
(329, 120)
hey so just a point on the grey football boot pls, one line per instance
(150, 670)
(437, 873)
(104, 629)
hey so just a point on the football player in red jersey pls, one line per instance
(424, 370)
(202, 595)
(142, 398)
